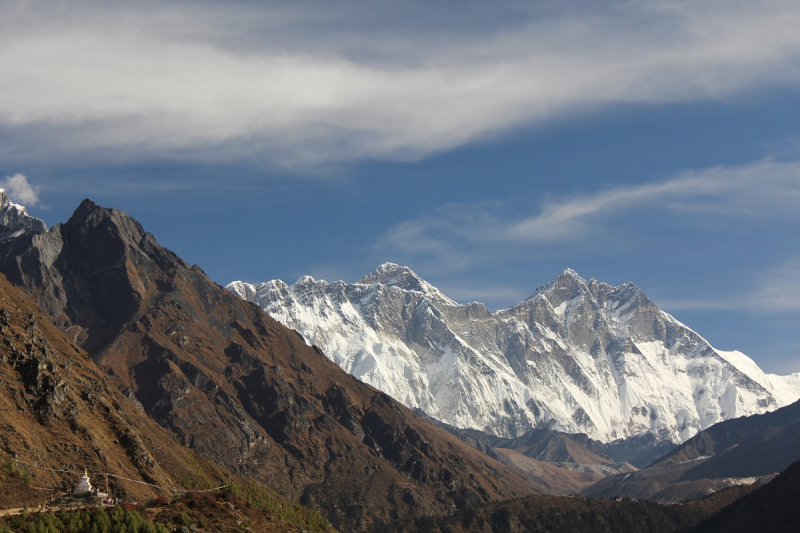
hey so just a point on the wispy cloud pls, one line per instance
(773, 290)
(672, 305)
(19, 190)
(304, 85)
(762, 189)
(778, 289)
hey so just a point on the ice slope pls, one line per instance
(575, 356)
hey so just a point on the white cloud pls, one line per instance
(308, 86)
(19, 190)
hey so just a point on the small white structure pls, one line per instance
(84, 485)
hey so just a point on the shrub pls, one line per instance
(182, 519)
(127, 506)
(159, 501)
(500, 521)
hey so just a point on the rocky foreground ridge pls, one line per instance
(576, 356)
(234, 385)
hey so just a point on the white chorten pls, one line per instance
(83, 484)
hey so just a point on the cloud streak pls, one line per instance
(303, 87)
(776, 290)
(464, 237)
(764, 189)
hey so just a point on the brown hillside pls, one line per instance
(58, 411)
(241, 389)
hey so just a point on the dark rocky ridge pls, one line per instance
(239, 388)
(756, 446)
(640, 451)
(774, 508)
(747, 446)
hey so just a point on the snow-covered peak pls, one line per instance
(243, 290)
(578, 356)
(571, 274)
(627, 292)
(391, 274)
(402, 277)
(305, 280)
(15, 220)
(569, 280)
(567, 285)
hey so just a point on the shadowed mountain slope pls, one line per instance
(541, 444)
(731, 452)
(563, 463)
(573, 515)
(58, 411)
(774, 508)
(747, 446)
(238, 387)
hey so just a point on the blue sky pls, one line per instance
(488, 146)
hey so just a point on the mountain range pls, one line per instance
(119, 356)
(576, 356)
(241, 390)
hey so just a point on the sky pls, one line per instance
(486, 145)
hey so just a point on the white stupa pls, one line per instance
(83, 484)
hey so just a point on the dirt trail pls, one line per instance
(18, 510)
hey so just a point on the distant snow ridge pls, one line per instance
(15, 221)
(575, 356)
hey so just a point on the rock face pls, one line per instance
(238, 387)
(576, 356)
(58, 411)
(17, 228)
